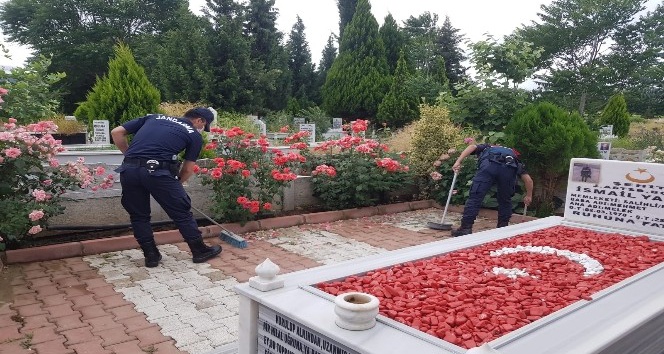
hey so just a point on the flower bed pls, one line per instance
(472, 296)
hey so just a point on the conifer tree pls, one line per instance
(122, 94)
(301, 69)
(393, 40)
(346, 13)
(358, 79)
(399, 106)
(616, 114)
(548, 137)
(328, 55)
(449, 45)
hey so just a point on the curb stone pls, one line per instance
(120, 243)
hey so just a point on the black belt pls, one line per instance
(151, 163)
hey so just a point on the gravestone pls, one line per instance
(604, 148)
(100, 132)
(261, 125)
(311, 128)
(337, 123)
(606, 132)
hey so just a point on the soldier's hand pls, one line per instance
(456, 167)
(527, 200)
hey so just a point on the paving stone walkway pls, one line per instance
(109, 303)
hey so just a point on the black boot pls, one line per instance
(151, 253)
(502, 224)
(202, 252)
(462, 230)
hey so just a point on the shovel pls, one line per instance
(442, 225)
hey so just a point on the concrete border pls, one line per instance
(120, 243)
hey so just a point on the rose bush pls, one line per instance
(32, 179)
(247, 177)
(354, 171)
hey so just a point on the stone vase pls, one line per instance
(356, 311)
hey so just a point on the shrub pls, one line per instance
(548, 137)
(246, 177)
(357, 172)
(433, 134)
(121, 95)
(32, 180)
(616, 114)
(67, 127)
(401, 140)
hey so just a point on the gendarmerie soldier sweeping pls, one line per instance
(497, 165)
(150, 167)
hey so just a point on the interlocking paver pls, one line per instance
(111, 303)
(91, 347)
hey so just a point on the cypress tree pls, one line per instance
(328, 55)
(358, 79)
(616, 114)
(399, 106)
(346, 12)
(122, 94)
(448, 43)
(301, 69)
(393, 40)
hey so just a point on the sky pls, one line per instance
(473, 18)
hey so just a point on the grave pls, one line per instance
(616, 202)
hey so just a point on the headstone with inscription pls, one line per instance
(311, 128)
(606, 132)
(619, 194)
(337, 123)
(259, 123)
(604, 148)
(100, 132)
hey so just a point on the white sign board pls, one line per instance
(100, 132)
(70, 118)
(311, 128)
(604, 148)
(606, 131)
(280, 334)
(618, 194)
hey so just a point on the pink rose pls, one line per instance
(36, 215)
(13, 153)
(35, 230)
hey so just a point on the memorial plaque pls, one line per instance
(311, 128)
(621, 194)
(337, 123)
(606, 131)
(100, 132)
(280, 334)
(604, 148)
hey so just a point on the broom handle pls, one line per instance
(207, 217)
(449, 197)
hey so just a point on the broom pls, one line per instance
(225, 235)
